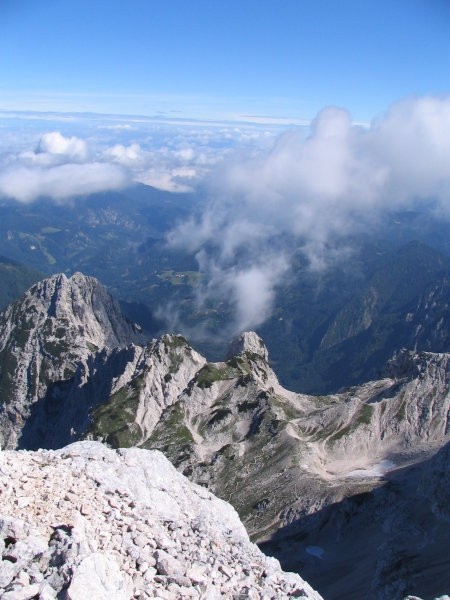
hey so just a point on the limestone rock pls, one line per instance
(197, 543)
(46, 337)
(97, 576)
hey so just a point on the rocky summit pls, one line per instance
(48, 337)
(90, 522)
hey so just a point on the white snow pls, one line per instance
(377, 470)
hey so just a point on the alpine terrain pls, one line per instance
(329, 484)
(124, 524)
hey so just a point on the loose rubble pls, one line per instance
(90, 522)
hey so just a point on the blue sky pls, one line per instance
(311, 119)
(221, 59)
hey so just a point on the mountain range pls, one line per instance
(310, 476)
(328, 328)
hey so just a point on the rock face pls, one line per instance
(90, 522)
(149, 382)
(292, 465)
(46, 337)
(117, 394)
(240, 433)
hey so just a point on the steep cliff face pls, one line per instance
(90, 522)
(45, 337)
(148, 385)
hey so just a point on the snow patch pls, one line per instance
(377, 470)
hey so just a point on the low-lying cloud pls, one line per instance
(318, 190)
(107, 157)
(265, 193)
(62, 182)
(59, 168)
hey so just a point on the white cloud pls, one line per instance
(171, 155)
(60, 182)
(61, 167)
(55, 149)
(185, 154)
(73, 148)
(318, 190)
(251, 290)
(131, 155)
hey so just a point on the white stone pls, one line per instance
(99, 577)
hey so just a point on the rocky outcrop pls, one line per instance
(238, 431)
(117, 395)
(148, 384)
(90, 522)
(46, 337)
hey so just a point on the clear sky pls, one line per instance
(222, 58)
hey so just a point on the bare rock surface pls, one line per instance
(90, 522)
(46, 337)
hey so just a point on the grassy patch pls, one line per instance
(241, 363)
(174, 341)
(401, 413)
(114, 420)
(172, 433)
(56, 347)
(211, 373)
(290, 413)
(363, 417)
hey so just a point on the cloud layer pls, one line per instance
(317, 190)
(91, 155)
(25, 184)
(265, 192)
(59, 168)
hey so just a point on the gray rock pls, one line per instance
(167, 564)
(97, 576)
(64, 552)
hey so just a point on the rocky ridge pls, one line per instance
(118, 394)
(90, 522)
(283, 459)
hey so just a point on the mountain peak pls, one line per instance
(248, 341)
(85, 303)
(47, 335)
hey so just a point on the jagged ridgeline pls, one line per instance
(291, 464)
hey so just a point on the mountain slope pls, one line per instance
(246, 437)
(15, 279)
(123, 525)
(397, 535)
(282, 459)
(342, 328)
(329, 328)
